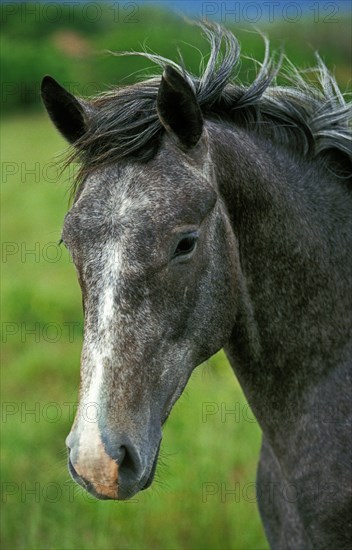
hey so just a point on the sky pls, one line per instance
(238, 11)
(253, 11)
(249, 9)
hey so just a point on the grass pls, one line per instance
(203, 495)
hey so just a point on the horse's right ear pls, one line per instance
(178, 109)
(67, 112)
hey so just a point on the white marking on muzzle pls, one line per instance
(92, 462)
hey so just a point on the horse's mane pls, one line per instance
(310, 119)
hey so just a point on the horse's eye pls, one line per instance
(186, 245)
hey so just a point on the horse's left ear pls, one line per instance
(178, 108)
(66, 111)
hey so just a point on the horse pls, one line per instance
(210, 214)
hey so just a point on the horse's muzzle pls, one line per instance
(109, 473)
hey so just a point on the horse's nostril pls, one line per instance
(128, 461)
(121, 455)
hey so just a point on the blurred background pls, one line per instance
(204, 493)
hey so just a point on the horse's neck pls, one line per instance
(293, 230)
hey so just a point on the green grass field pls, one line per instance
(203, 496)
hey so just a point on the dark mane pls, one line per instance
(311, 120)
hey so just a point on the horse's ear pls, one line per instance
(178, 108)
(65, 110)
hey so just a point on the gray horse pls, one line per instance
(212, 215)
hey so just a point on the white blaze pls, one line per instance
(103, 348)
(98, 348)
